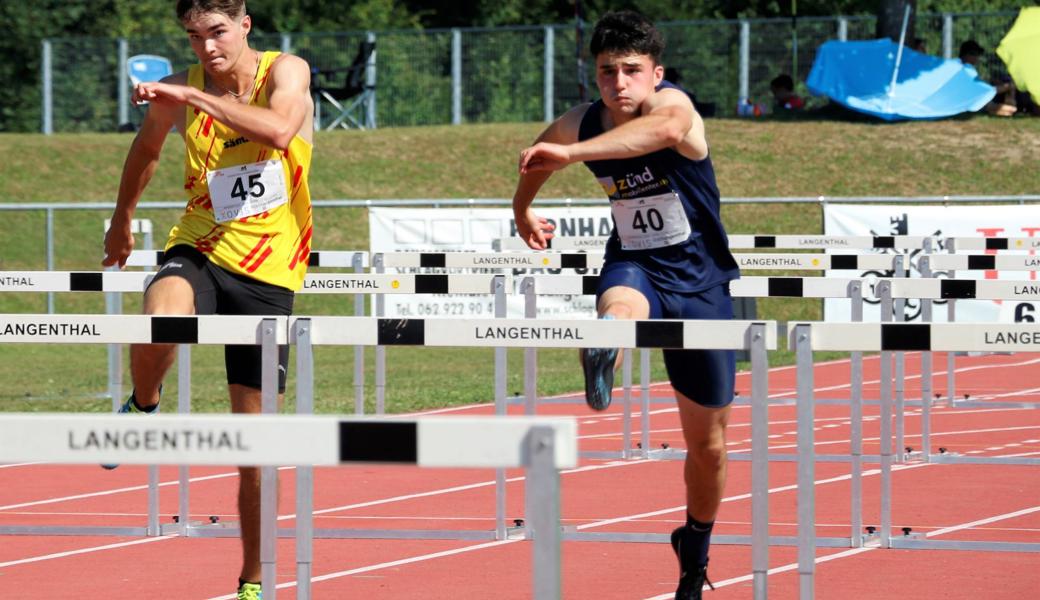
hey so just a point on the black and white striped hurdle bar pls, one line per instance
(142, 329)
(558, 260)
(992, 243)
(314, 283)
(745, 287)
(543, 445)
(942, 337)
(594, 260)
(487, 260)
(818, 262)
(747, 241)
(961, 289)
(542, 333)
(323, 258)
(978, 262)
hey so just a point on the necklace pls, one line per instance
(238, 95)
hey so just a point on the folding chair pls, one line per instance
(351, 98)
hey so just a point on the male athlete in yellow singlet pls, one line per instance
(242, 244)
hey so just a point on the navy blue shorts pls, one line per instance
(221, 292)
(704, 376)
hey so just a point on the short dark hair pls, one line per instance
(626, 31)
(188, 9)
(783, 82)
(970, 48)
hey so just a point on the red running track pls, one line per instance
(944, 502)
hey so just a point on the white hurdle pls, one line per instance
(542, 445)
(267, 332)
(885, 338)
(755, 336)
(744, 241)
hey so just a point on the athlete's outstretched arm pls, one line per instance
(140, 165)
(669, 120)
(289, 103)
(534, 230)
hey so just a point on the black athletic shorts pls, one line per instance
(705, 376)
(220, 292)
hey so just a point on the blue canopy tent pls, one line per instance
(859, 75)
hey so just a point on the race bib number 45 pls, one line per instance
(246, 190)
(652, 222)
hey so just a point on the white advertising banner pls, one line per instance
(938, 222)
(474, 230)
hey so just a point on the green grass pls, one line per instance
(752, 158)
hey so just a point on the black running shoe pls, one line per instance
(690, 582)
(598, 364)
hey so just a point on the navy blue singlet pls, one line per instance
(703, 260)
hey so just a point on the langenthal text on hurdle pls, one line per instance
(1012, 337)
(769, 262)
(340, 284)
(504, 260)
(48, 329)
(527, 333)
(16, 280)
(155, 440)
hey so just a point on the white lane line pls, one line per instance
(25, 464)
(461, 488)
(855, 551)
(908, 435)
(33, 559)
(135, 488)
(387, 565)
(842, 386)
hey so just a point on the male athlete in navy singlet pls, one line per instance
(667, 257)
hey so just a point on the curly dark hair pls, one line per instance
(626, 31)
(187, 9)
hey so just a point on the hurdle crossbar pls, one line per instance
(543, 445)
(743, 241)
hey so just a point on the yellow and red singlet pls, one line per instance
(249, 206)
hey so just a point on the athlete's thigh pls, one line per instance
(182, 285)
(241, 296)
(627, 284)
(706, 377)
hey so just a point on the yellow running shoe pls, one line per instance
(250, 591)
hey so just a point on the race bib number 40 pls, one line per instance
(246, 190)
(652, 222)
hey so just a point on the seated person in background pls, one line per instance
(1003, 104)
(705, 109)
(782, 87)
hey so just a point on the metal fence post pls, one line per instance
(370, 83)
(843, 29)
(286, 43)
(456, 76)
(121, 79)
(47, 110)
(50, 256)
(947, 33)
(745, 60)
(550, 43)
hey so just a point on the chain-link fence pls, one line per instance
(495, 75)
